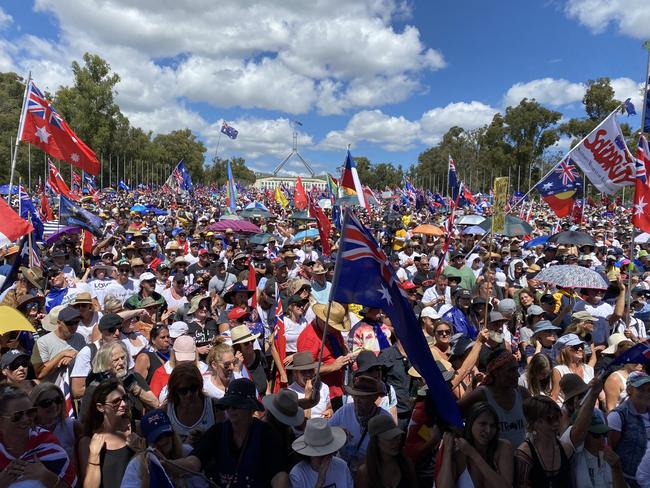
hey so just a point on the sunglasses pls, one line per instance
(30, 306)
(118, 401)
(578, 347)
(187, 390)
(49, 401)
(230, 364)
(30, 413)
(444, 332)
(72, 323)
(111, 330)
(19, 363)
(124, 270)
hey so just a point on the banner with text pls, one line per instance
(500, 202)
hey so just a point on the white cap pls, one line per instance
(178, 329)
(147, 276)
(431, 313)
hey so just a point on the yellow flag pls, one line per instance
(281, 198)
(499, 204)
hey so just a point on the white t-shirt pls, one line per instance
(82, 363)
(121, 292)
(338, 475)
(292, 330)
(98, 289)
(317, 411)
(173, 303)
(430, 294)
(211, 390)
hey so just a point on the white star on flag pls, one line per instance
(42, 134)
(547, 185)
(385, 295)
(75, 157)
(639, 207)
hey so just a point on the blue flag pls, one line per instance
(123, 186)
(182, 176)
(452, 179)
(365, 276)
(29, 213)
(628, 107)
(229, 131)
(637, 354)
(73, 214)
(231, 191)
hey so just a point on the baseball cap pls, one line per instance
(430, 312)
(507, 305)
(637, 379)
(153, 424)
(184, 348)
(497, 317)
(568, 340)
(68, 314)
(178, 329)
(147, 276)
(10, 356)
(237, 313)
(583, 316)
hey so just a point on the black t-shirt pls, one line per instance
(262, 457)
(202, 335)
(258, 373)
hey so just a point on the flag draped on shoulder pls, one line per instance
(73, 214)
(604, 157)
(559, 188)
(350, 184)
(43, 127)
(365, 276)
(12, 227)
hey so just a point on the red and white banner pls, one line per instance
(604, 157)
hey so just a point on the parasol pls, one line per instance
(311, 233)
(474, 230)
(572, 276)
(255, 213)
(572, 237)
(514, 226)
(537, 241)
(470, 220)
(260, 238)
(428, 230)
(63, 231)
(242, 226)
(11, 319)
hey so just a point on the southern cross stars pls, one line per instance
(385, 295)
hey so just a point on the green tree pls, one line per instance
(183, 144)
(218, 172)
(379, 175)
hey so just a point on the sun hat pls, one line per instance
(637, 379)
(545, 325)
(613, 341)
(147, 276)
(318, 269)
(572, 385)
(431, 313)
(178, 329)
(155, 423)
(507, 305)
(196, 302)
(497, 317)
(296, 285)
(184, 348)
(583, 316)
(34, 275)
(83, 298)
(27, 299)
(364, 386)
(241, 394)
(367, 360)
(241, 334)
(302, 361)
(284, 407)
(339, 318)
(319, 439)
(384, 427)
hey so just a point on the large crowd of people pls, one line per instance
(159, 358)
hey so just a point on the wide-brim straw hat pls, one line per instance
(338, 319)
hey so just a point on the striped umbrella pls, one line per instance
(572, 276)
(241, 226)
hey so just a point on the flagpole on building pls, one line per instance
(21, 124)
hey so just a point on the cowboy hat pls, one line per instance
(236, 288)
(284, 407)
(365, 386)
(241, 334)
(338, 319)
(241, 394)
(302, 361)
(34, 275)
(319, 439)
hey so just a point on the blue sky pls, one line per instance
(386, 76)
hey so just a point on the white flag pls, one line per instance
(604, 157)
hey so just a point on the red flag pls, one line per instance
(57, 183)
(300, 196)
(46, 211)
(252, 284)
(87, 242)
(280, 342)
(641, 209)
(324, 226)
(12, 227)
(43, 127)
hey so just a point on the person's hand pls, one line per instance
(97, 443)
(596, 384)
(164, 317)
(240, 360)
(611, 457)
(628, 334)
(12, 472)
(461, 445)
(283, 378)
(36, 470)
(203, 350)
(483, 336)
(288, 360)
(194, 437)
(597, 349)
(538, 347)
(309, 388)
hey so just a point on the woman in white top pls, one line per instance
(134, 340)
(615, 385)
(224, 366)
(294, 321)
(190, 411)
(570, 351)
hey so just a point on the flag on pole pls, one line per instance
(29, 213)
(323, 224)
(350, 184)
(73, 214)
(452, 178)
(46, 211)
(123, 186)
(229, 130)
(300, 196)
(558, 189)
(365, 276)
(57, 183)
(280, 197)
(641, 208)
(231, 191)
(637, 354)
(12, 227)
(43, 127)
(182, 177)
(604, 157)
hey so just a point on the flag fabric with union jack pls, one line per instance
(559, 188)
(229, 130)
(365, 276)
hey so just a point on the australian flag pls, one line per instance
(123, 186)
(29, 213)
(229, 130)
(637, 354)
(452, 179)
(182, 176)
(365, 276)
(73, 214)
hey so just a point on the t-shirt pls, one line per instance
(211, 390)
(587, 470)
(49, 345)
(310, 340)
(323, 402)
(99, 288)
(121, 291)
(601, 312)
(337, 476)
(291, 332)
(83, 362)
(321, 293)
(221, 285)
(173, 303)
(354, 450)
(222, 462)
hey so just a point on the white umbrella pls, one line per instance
(642, 238)
(325, 203)
(470, 220)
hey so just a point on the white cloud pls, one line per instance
(625, 88)
(631, 17)
(435, 122)
(548, 91)
(5, 19)
(389, 132)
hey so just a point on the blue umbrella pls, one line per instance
(4, 189)
(138, 208)
(538, 241)
(474, 230)
(300, 236)
(256, 205)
